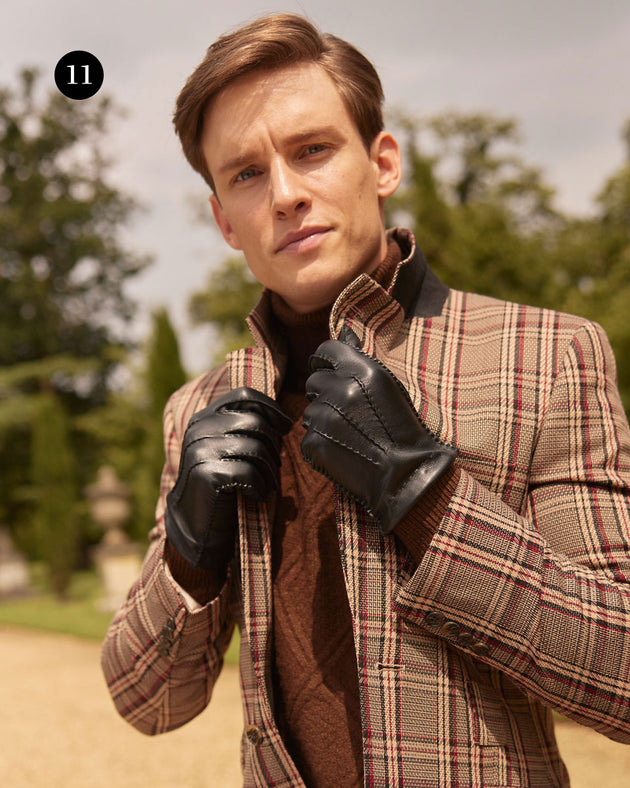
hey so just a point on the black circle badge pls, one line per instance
(79, 75)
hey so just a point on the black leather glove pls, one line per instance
(231, 445)
(364, 433)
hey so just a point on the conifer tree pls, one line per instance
(53, 477)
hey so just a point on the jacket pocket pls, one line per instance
(493, 753)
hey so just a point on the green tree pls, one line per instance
(62, 270)
(480, 215)
(229, 295)
(127, 431)
(53, 476)
(164, 375)
(165, 372)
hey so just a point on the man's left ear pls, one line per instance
(385, 155)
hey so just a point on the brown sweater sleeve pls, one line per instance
(416, 529)
(203, 585)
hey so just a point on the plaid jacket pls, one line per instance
(520, 604)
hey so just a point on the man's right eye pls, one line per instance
(245, 175)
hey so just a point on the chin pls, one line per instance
(312, 300)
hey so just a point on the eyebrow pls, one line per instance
(243, 159)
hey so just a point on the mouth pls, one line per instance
(302, 240)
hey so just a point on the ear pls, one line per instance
(223, 223)
(385, 155)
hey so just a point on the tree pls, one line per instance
(229, 295)
(55, 491)
(62, 270)
(480, 215)
(127, 431)
(164, 375)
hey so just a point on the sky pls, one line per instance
(559, 67)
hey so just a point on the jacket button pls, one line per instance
(163, 649)
(254, 734)
(465, 640)
(434, 619)
(480, 649)
(450, 629)
(170, 624)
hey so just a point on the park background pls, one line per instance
(115, 287)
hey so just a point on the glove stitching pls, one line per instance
(352, 495)
(341, 443)
(351, 421)
(335, 366)
(273, 469)
(373, 404)
(435, 438)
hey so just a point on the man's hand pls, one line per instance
(364, 433)
(231, 445)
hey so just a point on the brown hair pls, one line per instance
(270, 42)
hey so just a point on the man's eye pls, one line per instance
(315, 148)
(245, 175)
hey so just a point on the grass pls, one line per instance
(78, 615)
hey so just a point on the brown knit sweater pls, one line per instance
(315, 680)
(315, 685)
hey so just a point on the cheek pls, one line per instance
(249, 229)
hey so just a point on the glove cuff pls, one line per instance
(404, 497)
(417, 527)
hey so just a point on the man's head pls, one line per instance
(271, 42)
(286, 127)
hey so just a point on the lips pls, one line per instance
(302, 240)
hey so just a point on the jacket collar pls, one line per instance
(414, 285)
(414, 288)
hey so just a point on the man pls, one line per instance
(421, 531)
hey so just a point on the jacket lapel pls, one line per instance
(255, 368)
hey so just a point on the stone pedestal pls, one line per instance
(118, 567)
(14, 574)
(117, 559)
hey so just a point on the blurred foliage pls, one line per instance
(53, 476)
(127, 432)
(78, 614)
(229, 295)
(487, 223)
(164, 374)
(63, 268)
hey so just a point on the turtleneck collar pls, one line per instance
(305, 332)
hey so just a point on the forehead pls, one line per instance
(298, 95)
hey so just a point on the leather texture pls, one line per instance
(233, 444)
(363, 432)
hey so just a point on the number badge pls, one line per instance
(79, 75)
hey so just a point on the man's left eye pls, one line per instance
(315, 148)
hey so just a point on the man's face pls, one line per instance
(296, 189)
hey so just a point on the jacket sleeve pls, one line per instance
(543, 596)
(161, 660)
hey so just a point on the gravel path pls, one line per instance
(59, 729)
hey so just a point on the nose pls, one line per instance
(287, 190)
